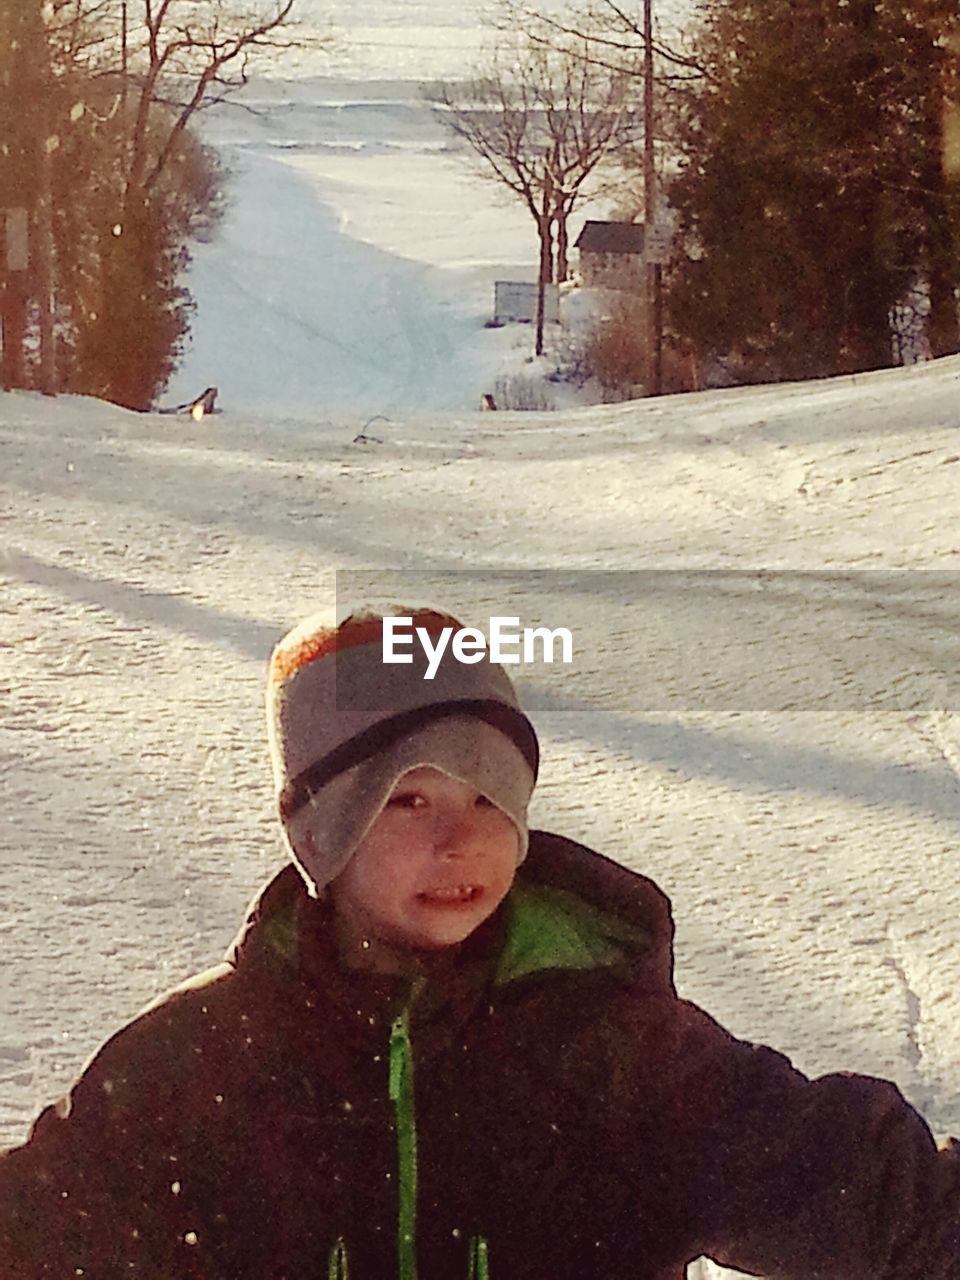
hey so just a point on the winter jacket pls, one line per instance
(541, 1107)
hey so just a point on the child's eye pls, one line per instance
(482, 802)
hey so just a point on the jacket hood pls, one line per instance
(569, 909)
(572, 908)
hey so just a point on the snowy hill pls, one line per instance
(808, 842)
(763, 713)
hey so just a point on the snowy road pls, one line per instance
(354, 267)
(338, 323)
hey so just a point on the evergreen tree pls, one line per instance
(131, 184)
(135, 309)
(23, 65)
(812, 191)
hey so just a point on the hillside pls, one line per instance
(787, 768)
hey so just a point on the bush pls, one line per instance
(614, 352)
(522, 391)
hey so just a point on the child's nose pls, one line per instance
(455, 831)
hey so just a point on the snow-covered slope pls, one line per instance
(808, 841)
(355, 265)
(762, 585)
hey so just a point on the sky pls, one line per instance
(763, 711)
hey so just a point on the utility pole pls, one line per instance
(13, 298)
(18, 186)
(46, 265)
(652, 271)
(123, 57)
(45, 143)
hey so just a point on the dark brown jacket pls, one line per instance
(569, 1117)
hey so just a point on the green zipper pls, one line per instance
(401, 1095)
(337, 1268)
(479, 1259)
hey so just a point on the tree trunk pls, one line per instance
(544, 275)
(869, 293)
(562, 217)
(542, 279)
(943, 331)
(46, 271)
(13, 331)
(867, 336)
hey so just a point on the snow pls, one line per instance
(356, 260)
(763, 710)
(809, 849)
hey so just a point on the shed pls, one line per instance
(611, 254)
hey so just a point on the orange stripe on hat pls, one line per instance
(295, 652)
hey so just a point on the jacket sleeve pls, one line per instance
(836, 1178)
(96, 1189)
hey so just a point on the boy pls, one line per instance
(447, 1047)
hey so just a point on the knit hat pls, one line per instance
(344, 726)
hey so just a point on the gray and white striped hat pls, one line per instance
(344, 726)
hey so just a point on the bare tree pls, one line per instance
(613, 37)
(78, 31)
(110, 177)
(184, 55)
(610, 35)
(541, 121)
(588, 116)
(165, 60)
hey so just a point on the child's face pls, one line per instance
(438, 860)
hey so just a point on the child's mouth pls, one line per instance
(458, 895)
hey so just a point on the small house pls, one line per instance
(611, 254)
